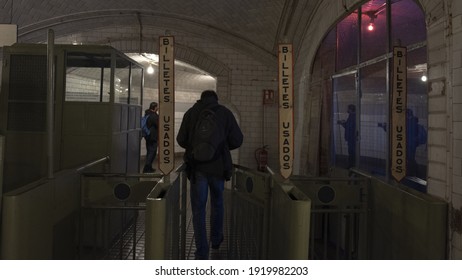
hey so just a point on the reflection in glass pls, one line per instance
(106, 85)
(373, 135)
(121, 81)
(136, 85)
(371, 91)
(344, 121)
(83, 84)
(417, 105)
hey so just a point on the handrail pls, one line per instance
(181, 168)
(361, 173)
(270, 170)
(80, 169)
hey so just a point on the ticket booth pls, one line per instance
(96, 112)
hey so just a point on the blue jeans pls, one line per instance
(151, 152)
(351, 154)
(199, 193)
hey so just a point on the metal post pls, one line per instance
(184, 205)
(50, 101)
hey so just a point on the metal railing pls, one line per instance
(270, 217)
(248, 214)
(111, 204)
(339, 216)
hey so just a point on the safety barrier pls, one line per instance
(290, 221)
(269, 218)
(339, 216)
(166, 218)
(406, 224)
(248, 214)
(39, 219)
(111, 204)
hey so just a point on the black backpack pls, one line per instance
(208, 136)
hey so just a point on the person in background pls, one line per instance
(412, 123)
(210, 174)
(350, 134)
(151, 140)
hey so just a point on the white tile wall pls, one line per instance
(244, 69)
(456, 83)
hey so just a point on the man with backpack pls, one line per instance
(149, 129)
(208, 132)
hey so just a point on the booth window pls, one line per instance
(122, 81)
(136, 85)
(88, 77)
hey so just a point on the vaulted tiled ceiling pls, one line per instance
(252, 24)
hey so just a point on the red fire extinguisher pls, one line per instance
(261, 156)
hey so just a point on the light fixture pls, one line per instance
(424, 78)
(372, 16)
(370, 27)
(150, 70)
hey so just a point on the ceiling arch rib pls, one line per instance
(73, 23)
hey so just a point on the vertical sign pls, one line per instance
(286, 115)
(398, 114)
(166, 105)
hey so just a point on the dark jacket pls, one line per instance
(153, 125)
(222, 165)
(350, 128)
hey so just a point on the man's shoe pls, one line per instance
(149, 170)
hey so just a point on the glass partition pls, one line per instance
(122, 81)
(374, 115)
(347, 41)
(136, 85)
(83, 84)
(361, 87)
(418, 111)
(407, 23)
(106, 85)
(88, 79)
(344, 119)
(85, 74)
(374, 39)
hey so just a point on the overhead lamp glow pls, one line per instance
(424, 78)
(372, 16)
(370, 27)
(150, 70)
